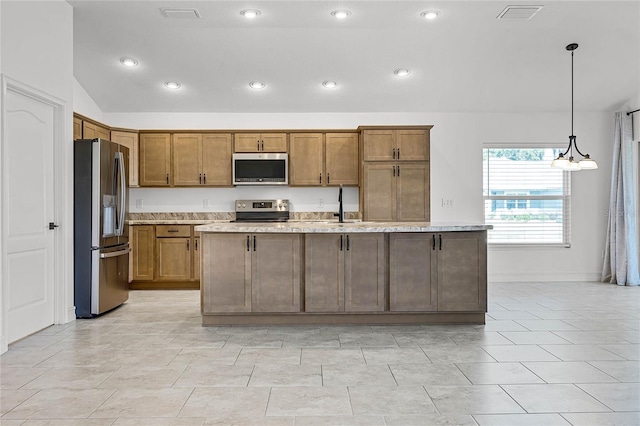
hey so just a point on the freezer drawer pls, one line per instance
(110, 286)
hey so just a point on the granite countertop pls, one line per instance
(305, 227)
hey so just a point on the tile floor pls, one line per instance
(550, 354)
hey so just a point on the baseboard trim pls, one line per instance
(543, 277)
(71, 315)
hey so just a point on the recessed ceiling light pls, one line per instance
(257, 85)
(172, 85)
(341, 14)
(401, 72)
(430, 14)
(330, 84)
(250, 13)
(129, 62)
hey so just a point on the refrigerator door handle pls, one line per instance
(123, 193)
(115, 253)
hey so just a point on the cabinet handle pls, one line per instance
(340, 242)
(187, 245)
(262, 143)
(394, 171)
(398, 170)
(204, 178)
(328, 178)
(195, 243)
(254, 243)
(440, 238)
(320, 178)
(167, 178)
(258, 149)
(172, 230)
(433, 246)
(398, 153)
(347, 243)
(200, 178)
(248, 244)
(394, 153)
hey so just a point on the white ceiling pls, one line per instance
(465, 61)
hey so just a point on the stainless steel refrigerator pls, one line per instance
(101, 233)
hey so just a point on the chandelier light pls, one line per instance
(569, 164)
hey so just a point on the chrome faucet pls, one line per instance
(340, 213)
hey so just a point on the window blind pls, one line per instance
(525, 200)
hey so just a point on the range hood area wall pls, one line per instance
(179, 200)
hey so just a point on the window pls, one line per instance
(525, 200)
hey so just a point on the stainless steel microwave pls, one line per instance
(261, 169)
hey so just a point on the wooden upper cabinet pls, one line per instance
(412, 192)
(379, 191)
(306, 159)
(77, 128)
(130, 140)
(317, 159)
(92, 131)
(395, 145)
(260, 142)
(216, 159)
(187, 159)
(155, 159)
(341, 158)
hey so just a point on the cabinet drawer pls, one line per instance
(173, 230)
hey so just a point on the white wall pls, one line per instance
(84, 104)
(37, 51)
(456, 173)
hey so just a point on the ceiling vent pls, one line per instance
(180, 13)
(519, 12)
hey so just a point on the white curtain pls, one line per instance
(621, 249)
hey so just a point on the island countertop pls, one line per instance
(307, 227)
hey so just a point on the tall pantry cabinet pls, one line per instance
(395, 173)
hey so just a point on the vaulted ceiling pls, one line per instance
(466, 60)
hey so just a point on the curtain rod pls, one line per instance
(631, 112)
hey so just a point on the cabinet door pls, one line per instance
(196, 259)
(365, 272)
(143, 239)
(412, 145)
(413, 198)
(187, 159)
(324, 272)
(275, 273)
(155, 159)
(305, 159)
(77, 128)
(247, 142)
(378, 145)
(462, 271)
(273, 142)
(226, 267)
(89, 130)
(130, 140)
(216, 159)
(341, 158)
(379, 192)
(173, 259)
(412, 272)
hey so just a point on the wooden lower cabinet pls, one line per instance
(251, 272)
(143, 239)
(345, 272)
(174, 259)
(443, 272)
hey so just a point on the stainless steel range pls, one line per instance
(262, 210)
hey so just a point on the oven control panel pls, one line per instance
(262, 205)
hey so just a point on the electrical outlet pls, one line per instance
(321, 203)
(447, 202)
(138, 203)
(205, 204)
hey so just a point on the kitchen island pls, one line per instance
(325, 272)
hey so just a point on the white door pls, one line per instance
(29, 207)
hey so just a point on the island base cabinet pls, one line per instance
(462, 271)
(250, 272)
(412, 273)
(275, 273)
(345, 272)
(226, 273)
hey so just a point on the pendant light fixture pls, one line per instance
(569, 164)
